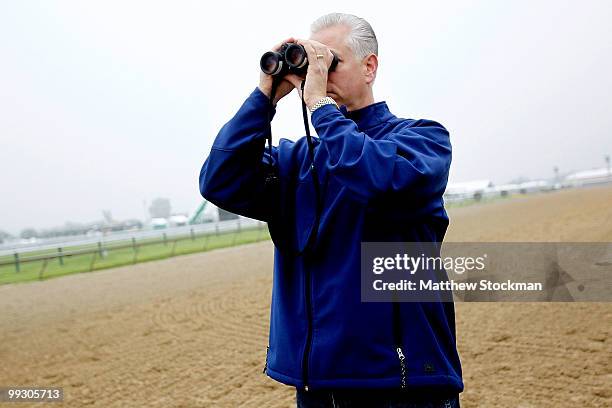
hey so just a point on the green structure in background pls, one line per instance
(200, 216)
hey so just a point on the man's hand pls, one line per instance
(265, 80)
(319, 61)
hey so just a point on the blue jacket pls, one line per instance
(382, 179)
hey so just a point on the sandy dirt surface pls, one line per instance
(191, 331)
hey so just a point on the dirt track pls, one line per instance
(192, 331)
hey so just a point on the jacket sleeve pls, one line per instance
(233, 175)
(412, 161)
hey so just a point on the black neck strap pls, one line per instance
(273, 177)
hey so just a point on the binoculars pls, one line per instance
(291, 58)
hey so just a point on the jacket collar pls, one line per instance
(368, 116)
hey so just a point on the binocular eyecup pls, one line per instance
(291, 58)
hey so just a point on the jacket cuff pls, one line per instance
(323, 112)
(260, 99)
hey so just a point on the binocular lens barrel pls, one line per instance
(290, 58)
(272, 63)
(296, 56)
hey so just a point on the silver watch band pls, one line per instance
(322, 102)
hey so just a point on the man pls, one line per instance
(380, 178)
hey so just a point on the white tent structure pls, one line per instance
(467, 190)
(588, 177)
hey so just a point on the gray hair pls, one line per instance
(361, 38)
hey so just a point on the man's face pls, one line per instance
(349, 81)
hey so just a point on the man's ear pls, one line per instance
(370, 66)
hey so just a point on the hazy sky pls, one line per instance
(105, 104)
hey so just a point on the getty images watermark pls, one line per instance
(453, 271)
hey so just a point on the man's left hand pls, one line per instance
(319, 61)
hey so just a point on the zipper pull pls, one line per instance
(402, 359)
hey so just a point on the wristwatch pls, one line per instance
(322, 102)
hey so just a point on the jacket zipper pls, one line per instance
(307, 275)
(402, 367)
(309, 330)
(266, 364)
(397, 334)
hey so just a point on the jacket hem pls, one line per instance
(446, 382)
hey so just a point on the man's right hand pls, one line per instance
(265, 80)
